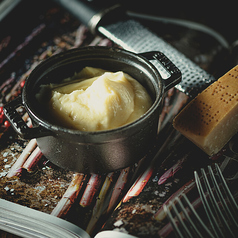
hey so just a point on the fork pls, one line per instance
(184, 219)
(219, 205)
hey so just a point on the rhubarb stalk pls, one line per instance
(118, 189)
(101, 203)
(27, 40)
(80, 36)
(92, 187)
(142, 180)
(139, 184)
(172, 171)
(160, 214)
(16, 168)
(69, 196)
(32, 159)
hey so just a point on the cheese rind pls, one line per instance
(211, 119)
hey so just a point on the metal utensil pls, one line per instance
(219, 205)
(184, 219)
(112, 22)
(219, 208)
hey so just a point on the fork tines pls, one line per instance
(219, 205)
(217, 212)
(184, 219)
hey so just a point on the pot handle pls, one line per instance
(18, 124)
(175, 74)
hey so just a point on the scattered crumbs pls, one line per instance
(5, 160)
(156, 192)
(134, 211)
(13, 154)
(3, 174)
(155, 179)
(154, 211)
(7, 188)
(40, 188)
(168, 184)
(5, 154)
(176, 180)
(46, 202)
(118, 223)
(162, 194)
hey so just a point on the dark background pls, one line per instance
(220, 16)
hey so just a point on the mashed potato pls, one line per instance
(100, 101)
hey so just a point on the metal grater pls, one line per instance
(112, 22)
(131, 35)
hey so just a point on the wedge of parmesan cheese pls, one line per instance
(211, 119)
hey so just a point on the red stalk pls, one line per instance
(69, 196)
(33, 159)
(22, 79)
(160, 215)
(80, 36)
(119, 186)
(92, 187)
(27, 119)
(139, 184)
(27, 40)
(101, 203)
(172, 171)
(95, 41)
(105, 42)
(142, 180)
(167, 229)
(16, 168)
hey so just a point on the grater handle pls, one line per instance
(90, 13)
(175, 74)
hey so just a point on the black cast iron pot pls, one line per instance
(99, 151)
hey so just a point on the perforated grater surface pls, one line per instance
(131, 35)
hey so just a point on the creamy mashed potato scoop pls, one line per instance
(98, 100)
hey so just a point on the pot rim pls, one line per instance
(159, 93)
